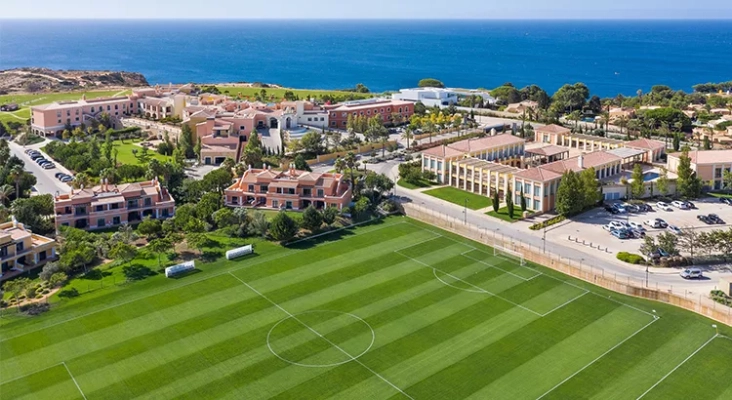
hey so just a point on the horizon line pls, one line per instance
(577, 19)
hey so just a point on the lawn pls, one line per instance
(457, 196)
(395, 309)
(503, 214)
(280, 93)
(419, 185)
(125, 155)
(25, 101)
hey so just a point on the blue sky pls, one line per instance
(379, 9)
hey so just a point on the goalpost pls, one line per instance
(509, 254)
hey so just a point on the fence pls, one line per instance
(700, 303)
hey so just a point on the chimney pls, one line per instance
(15, 222)
(250, 167)
(581, 161)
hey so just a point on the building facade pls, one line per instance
(710, 166)
(51, 119)
(430, 97)
(291, 189)
(385, 108)
(108, 205)
(501, 149)
(22, 250)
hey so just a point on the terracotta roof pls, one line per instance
(548, 151)
(553, 128)
(537, 174)
(556, 169)
(443, 151)
(647, 144)
(486, 143)
(708, 156)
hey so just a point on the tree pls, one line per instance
(362, 206)
(208, 205)
(142, 155)
(509, 202)
(688, 240)
(217, 180)
(590, 188)
(197, 241)
(727, 180)
(17, 287)
(571, 97)
(523, 199)
(185, 142)
(57, 279)
(677, 141)
(637, 187)
(225, 217)
(5, 192)
(687, 184)
(283, 228)
(662, 182)
(649, 246)
(570, 197)
(197, 149)
(123, 251)
(351, 162)
(159, 247)
(312, 142)
(667, 242)
(48, 270)
(16, 174)
(301, 164)
(260, 224)
(312, 220)
(408, 134)
(329, 215)
(430, 82)
(253, 151)
(81, 180)
(150, 228)
(707, 143)
(496, 201)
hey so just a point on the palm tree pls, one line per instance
(651, 126)
(5, 192)
(16, 174)
(351, 163)
(634, 125)
(622, 122)
(340, 165)
(407, 134)
(81, 179)
(4, 213)
(429, 127)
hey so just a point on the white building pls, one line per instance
(430, 97)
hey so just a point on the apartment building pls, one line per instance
(108, 205)
(709, 165)
(368, 108)
(22, 250)
(51, 119)
(501, 149)
(291, 189)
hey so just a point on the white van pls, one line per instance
(692, 273)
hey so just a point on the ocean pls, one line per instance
(611, 57)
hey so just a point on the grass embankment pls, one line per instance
(457, 196)
(438, 316)
(502, 214)
(279, 93)
(25, 101)
(421, 184)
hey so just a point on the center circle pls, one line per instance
(320, 338)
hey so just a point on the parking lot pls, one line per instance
(587, 232)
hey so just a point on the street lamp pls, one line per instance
(465, 211)
(646, 274)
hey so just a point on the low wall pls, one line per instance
(700, 304)
(366, 148)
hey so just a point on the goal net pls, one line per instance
(509, 255)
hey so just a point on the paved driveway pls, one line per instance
(46, 182)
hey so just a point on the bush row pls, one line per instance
(548, 223)
(631, 258)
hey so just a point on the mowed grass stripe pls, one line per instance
(504, 263)
(114, 317)
(480, 368)
(710, 365)
(36, 381)
(636, 365)
(551, 367)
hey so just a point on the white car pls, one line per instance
(680, 205)
(613, 225)
(664, 206)
(656, 223)
(636, 225)
(674, 229)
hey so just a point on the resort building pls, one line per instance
(654, 149)
(501, 149)
(108, 205)
(51, 119)
(22, 250)
(481, 177)
(430, 97)
(709, 165)
(518, 108)
(291, 190)
(308, 114)
(369, 108)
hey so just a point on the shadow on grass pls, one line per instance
(185, 274)
(137, 272)
(327, 237)
(95, 275)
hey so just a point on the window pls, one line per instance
(166, 213)
(320, 192)
(275, 204)
(361, 112)
(99, 208)
(537, 190)
(439, 165)
(263, 188)
(59, 121)
(382, 110)
(58, 114)
(116, 107)
(279, 190)
(115, 221)
(251, 188)
(68, 112)
(18, 247)
(536, 205)
(345, 123)
(42, 256)
(288, 205)
(100, 222)
(148, 201)
(77, 119)
(77, 112)
(322, 119)
(368, 112)
(400, 109)
(307, 192)
(332, 123)
(109, 107)
(114, 206)
(92, 109)
(388, 109)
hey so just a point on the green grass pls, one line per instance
(373, 292)
(419, 185)
(457, 196)
(125, 155)
(25, 101)
(720, 195)
(503, 214)
(280, 93)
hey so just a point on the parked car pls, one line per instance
(692, 273)
(620, 233)
(614, 225)
(714, 218)
(656, 223)
(58, 175)
(690, 205)
(680, 204)
(663, 206)
(635, 225)
(637, 233)
(726, 201)
(48, 166)
(619, 208)
(705, 219)
(610, 209)
(674, 229)
(34, 157)
(67, 178)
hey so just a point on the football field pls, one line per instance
(394, 310)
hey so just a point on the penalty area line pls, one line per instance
(74, 379)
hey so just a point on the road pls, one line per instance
(664, 278)
(46, 182)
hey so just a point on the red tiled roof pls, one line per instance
(646, 144)
(708, 156)
(553, 128)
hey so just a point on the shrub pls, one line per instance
(69, 293)
(630, 258)
(548, 223)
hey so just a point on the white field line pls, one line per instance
(322, 337)
(499, 268)
(678, 366)
(565, 303)
(598, 358)
(191, 282)
(437, 236)
(30, 373)
(553, 277)
(74, 379)
(470, 284)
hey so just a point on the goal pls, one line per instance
(508, 254)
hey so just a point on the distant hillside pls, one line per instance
(35, 80)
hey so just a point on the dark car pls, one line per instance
(690, 205)
(725, 201)
(714, 218)
(611, 210)
(705, 219)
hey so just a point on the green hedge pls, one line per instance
(548, 223)
(631, 258)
